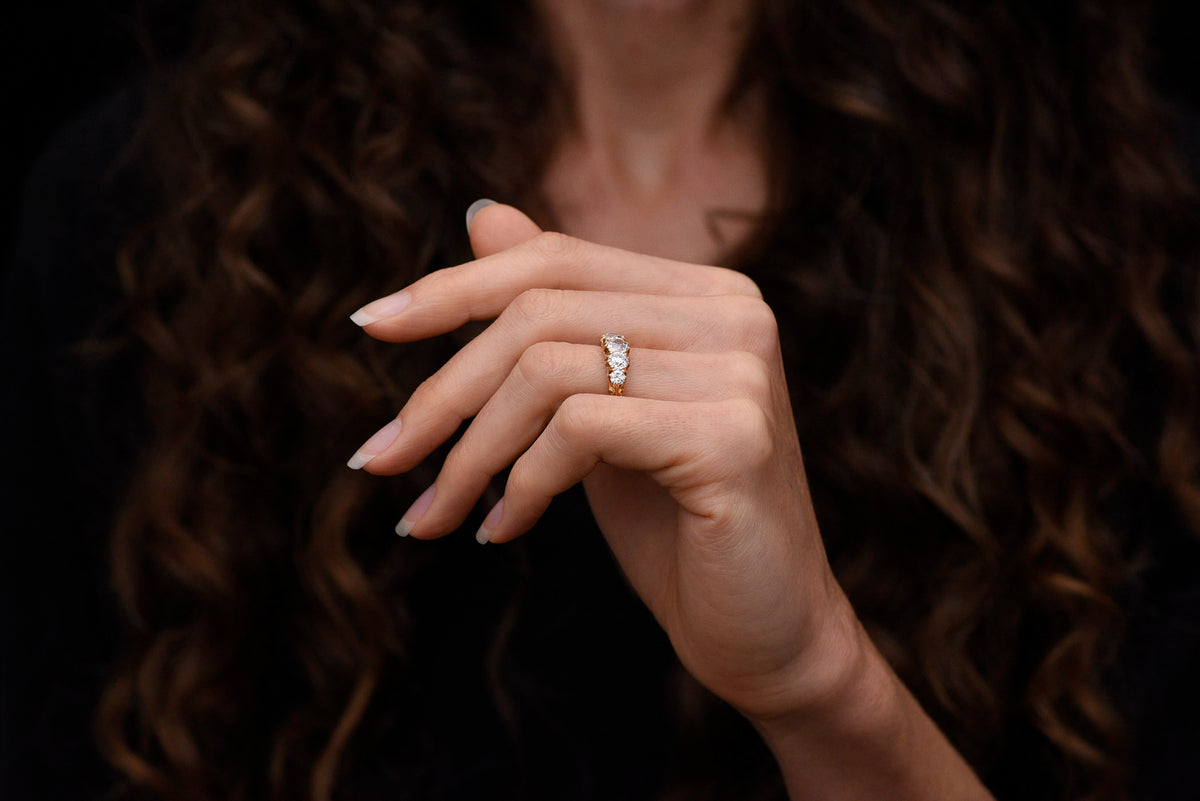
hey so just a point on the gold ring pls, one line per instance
(616, 361)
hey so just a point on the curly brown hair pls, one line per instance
(979, 247)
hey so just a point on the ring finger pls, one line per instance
(546, 375)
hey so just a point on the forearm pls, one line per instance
(867, 738)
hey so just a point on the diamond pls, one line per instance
(616, 378)
(618, 361)
(615, 343)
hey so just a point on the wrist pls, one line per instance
(856, 732)
(855, 697)
(841, 682)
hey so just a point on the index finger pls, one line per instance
(481, 289)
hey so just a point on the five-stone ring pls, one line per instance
(616, 361)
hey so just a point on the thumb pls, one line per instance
(494, 227)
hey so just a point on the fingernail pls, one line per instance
(476, 207)
(420, 507)
(376, 310)
(376, 445)
(484, 535)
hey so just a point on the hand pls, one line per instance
(694, 474)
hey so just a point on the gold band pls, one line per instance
(616, 361)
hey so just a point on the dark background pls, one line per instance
(60, 56)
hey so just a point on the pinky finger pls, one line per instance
(678, 443)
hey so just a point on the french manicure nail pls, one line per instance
(376, 445)
(420, 507)
(484, 535)
(388, 306)
(476, 207)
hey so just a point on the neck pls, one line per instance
(650, 80)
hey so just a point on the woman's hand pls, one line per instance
(694, 474)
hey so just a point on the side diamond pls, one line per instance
(616, 378)
(618, 361)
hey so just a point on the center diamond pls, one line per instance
(615, 343)
(618, 361)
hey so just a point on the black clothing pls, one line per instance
(72, 433)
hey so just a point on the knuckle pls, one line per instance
(760, 316)
(732, 282)
(439, 394)
(520, 482)
(466, 468)
(553, 245)
(469, 481)
(575, 415)
(458, 461)
(536, 305)
(427, 394)
(758, 325)
(749, 428)
(540, 364)
(750, 374)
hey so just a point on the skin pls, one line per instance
(695, 474)
(655, 142)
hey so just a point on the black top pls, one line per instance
(70, 436)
